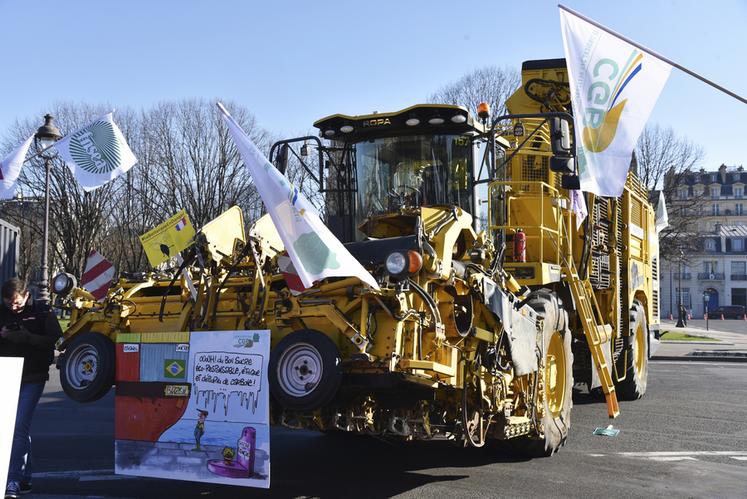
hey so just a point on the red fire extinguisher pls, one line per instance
(520, 246)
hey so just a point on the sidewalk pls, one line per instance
(731, 347)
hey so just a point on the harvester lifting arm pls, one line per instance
(248, 247)
(185, 263)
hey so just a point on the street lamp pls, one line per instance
(680, 315)
(706, 298)
(45, 138)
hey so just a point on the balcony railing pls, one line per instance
(685, 276)
(739, 277)
(711, 276)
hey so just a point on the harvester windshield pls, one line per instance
(413, 170)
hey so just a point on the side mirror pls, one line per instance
(562, 164)
(570, 182)
(281, 160)
(560, 137)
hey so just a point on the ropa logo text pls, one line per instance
(377, 122)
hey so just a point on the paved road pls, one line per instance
(687, 437)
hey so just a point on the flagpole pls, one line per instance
(37, 154)
(655, 54)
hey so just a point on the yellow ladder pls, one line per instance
(597, 334)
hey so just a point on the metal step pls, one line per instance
(597, 333)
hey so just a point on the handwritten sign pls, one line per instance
(224, 374)
(199, 410)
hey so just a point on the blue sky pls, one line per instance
(291, 63)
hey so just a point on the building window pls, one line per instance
(710, 245)
(714, 209)
(738, 296)
(739, 268)
(685, 297)
(715, 192)
(739, 209)
(710, 267)
(738, 192)
(737, 244)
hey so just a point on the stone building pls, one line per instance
(716, 270)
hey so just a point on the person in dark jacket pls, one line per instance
(28, 330)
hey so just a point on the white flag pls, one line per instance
(662, 217)
(10, 168)
(97, 153)
(315, 252)
(614, 87)
(578, 206)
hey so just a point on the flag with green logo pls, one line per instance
(315, 252)
(614, 87)
(97, 153)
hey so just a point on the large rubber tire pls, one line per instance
(305, 370)
(557, 370)
(87, 367)
(635, 363)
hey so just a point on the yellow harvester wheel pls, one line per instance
(555, 397)
(634, 362)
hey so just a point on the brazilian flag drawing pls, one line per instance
(175, 368)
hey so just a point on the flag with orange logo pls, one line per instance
(614, 87)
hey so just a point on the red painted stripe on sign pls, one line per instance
(94, 271)
(100, 293)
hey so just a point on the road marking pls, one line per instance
(101, 478)
(685, 453)
(73, 473)
(83, 475)
(666, 458)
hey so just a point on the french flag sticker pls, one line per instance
(181, 224)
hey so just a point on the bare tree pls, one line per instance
(186, 159)
(77, 218)
(661, 153)
(194, 162)
(489, 84)
(663, 162)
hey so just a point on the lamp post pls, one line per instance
(44, 138)
(706, 297)
(680, 315)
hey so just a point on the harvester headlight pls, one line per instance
(329, 133)
(63, 283)
(458, 118)
(346, 128)
(436, 121)
(412, 122)
(396, 263)
(402, 263)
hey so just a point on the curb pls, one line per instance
(678, 342)
(701, 358)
